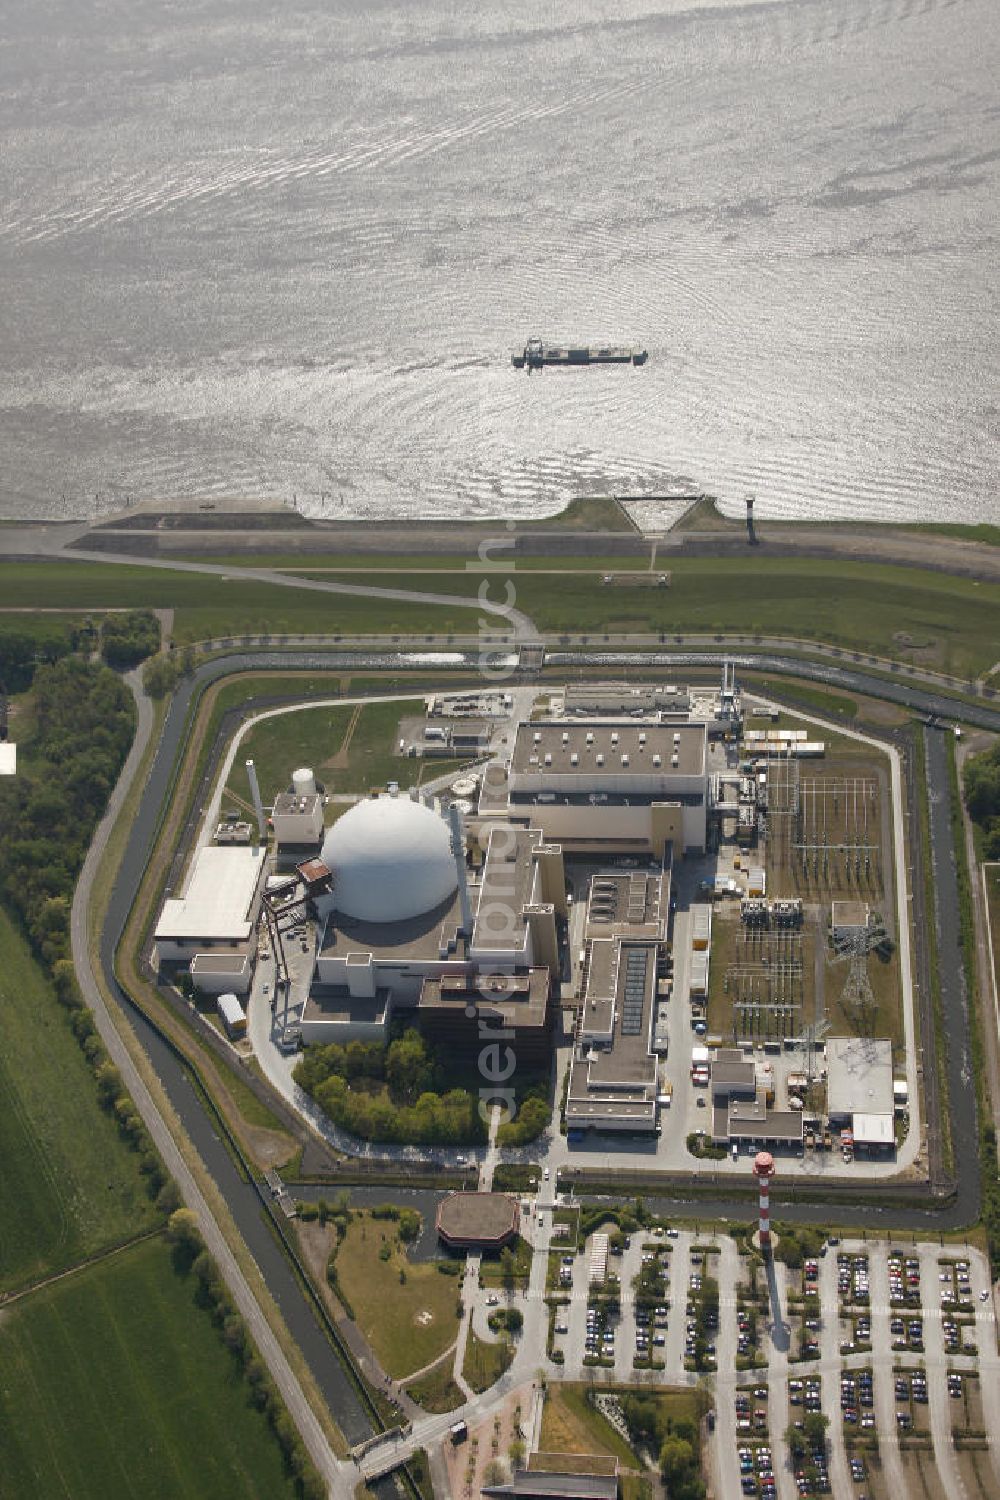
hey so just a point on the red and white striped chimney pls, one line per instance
(763, 1170)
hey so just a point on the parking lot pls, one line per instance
(895, 1346)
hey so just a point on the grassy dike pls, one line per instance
(916, 616)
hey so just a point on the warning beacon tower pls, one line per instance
(763, 1170)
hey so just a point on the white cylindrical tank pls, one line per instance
(303, 782)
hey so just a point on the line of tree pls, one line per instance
(112, 1094)
(191, 1258)
(390, 1093)
(981, 784)
(84, 718)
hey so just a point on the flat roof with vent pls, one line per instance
(627, 903)
(587, 749)
(614, 1070)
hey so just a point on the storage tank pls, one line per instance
(303, 782)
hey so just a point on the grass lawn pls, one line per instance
(317, 737)
(935, 619)
(812, 700)
(436, 1391)
(491, 1272)
(308, 737)
(984, 532)
(207, 606)
(113, 1383)
(409, 1323)
(571, 1425)
(69, 1185)
(486, 1362)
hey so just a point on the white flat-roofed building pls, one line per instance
(849, 920)
(859, 1078)
(219, 907)
(876, 1132)
(522, 892)
(698, 975)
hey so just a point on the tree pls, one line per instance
(185, 1236)
(679, 1467)
(409, 1070)
(409, 1225)
(507, 1268)
(814, 1427)
(159, 676)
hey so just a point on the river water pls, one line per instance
(284, 251)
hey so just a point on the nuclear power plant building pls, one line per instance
(408, 927)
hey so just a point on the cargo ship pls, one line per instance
(536, 355)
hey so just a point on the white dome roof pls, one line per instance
(391, 860)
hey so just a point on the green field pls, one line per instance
(984, 532)
(436, 1390)
(486, 1362)
(69, 1185)
(113, 1384)
(935, 619)
(323, 565)
(207, 607)
(307, 737)
(407, 1310)
(315, 737)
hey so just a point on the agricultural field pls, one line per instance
(407, 1310)
(113, 1383)
(70, 1187)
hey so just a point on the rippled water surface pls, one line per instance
(286, 250)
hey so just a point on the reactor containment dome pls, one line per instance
(391, 860)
